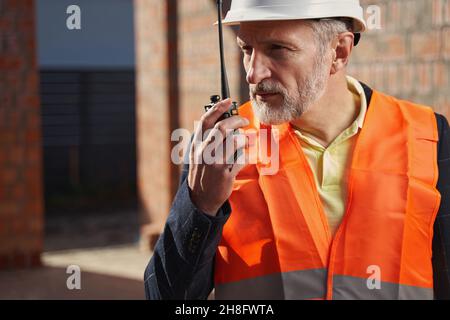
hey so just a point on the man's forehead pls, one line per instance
(272, 31)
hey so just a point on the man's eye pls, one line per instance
(277, 47)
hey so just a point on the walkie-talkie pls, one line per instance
(223, 73)
(233, 110)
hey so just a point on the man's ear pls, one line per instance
(343, 48)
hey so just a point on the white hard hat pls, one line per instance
(270, 10)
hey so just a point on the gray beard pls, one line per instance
(292, 107)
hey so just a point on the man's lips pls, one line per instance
(266, 94)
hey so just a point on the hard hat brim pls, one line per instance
(358, 25)
(293, 10)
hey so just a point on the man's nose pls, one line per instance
(257, 69)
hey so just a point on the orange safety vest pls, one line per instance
(277, 243)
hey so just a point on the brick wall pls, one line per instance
(409, 57)
(21, 207)
(152, 111)
(177, 63)
(199, 59)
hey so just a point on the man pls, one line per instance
(359, 208)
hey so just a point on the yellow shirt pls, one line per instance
(330, 165)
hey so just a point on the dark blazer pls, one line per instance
(182, 266)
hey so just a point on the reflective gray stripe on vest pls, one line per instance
(295, 285)
(346, 288)
(311, 284)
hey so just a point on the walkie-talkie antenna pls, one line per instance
(223, 71)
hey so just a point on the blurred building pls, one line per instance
(67, 119)
(87, 92)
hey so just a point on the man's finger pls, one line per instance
(240, 163)
(214, 113)
(232, 146)
(227, 127)
(210, 117)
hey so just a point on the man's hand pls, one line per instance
(211, 184)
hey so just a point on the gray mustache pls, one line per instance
(266, 87)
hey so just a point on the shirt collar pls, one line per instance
(355, 87)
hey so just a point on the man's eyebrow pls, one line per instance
(278, 41)
(242, 43)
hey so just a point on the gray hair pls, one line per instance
(326, 29)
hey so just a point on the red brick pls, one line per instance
(33, 136)
(410, 14)
(392, 79)
(13, 79)
(18, 227)
(5, 100)
(440, 75)
(4, 229)
(8, 63)
(6, 22)
(35, 225)
(34, 155)
(3, 157)
(423, 78)
(34, 189)
(18, 5)
(25, 25)
(392, 47)
(33, 207)
(33, 100)
(365, 73)
(19, 260)
(437, 12)
(366, 51)
(13, 45)
(446, 43)
(18, 192)
(35, 259)
(9, 208)
(406, 76)
(32, 82)
(33, 122)
(5, 245)
(16, 154)
(28, 100)
(4, 261)
(442, 105)
(426, 45)
(378, 76)
(14, 120)
(447, 11)
(395, 15)
(8, 176)
(7, 138)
